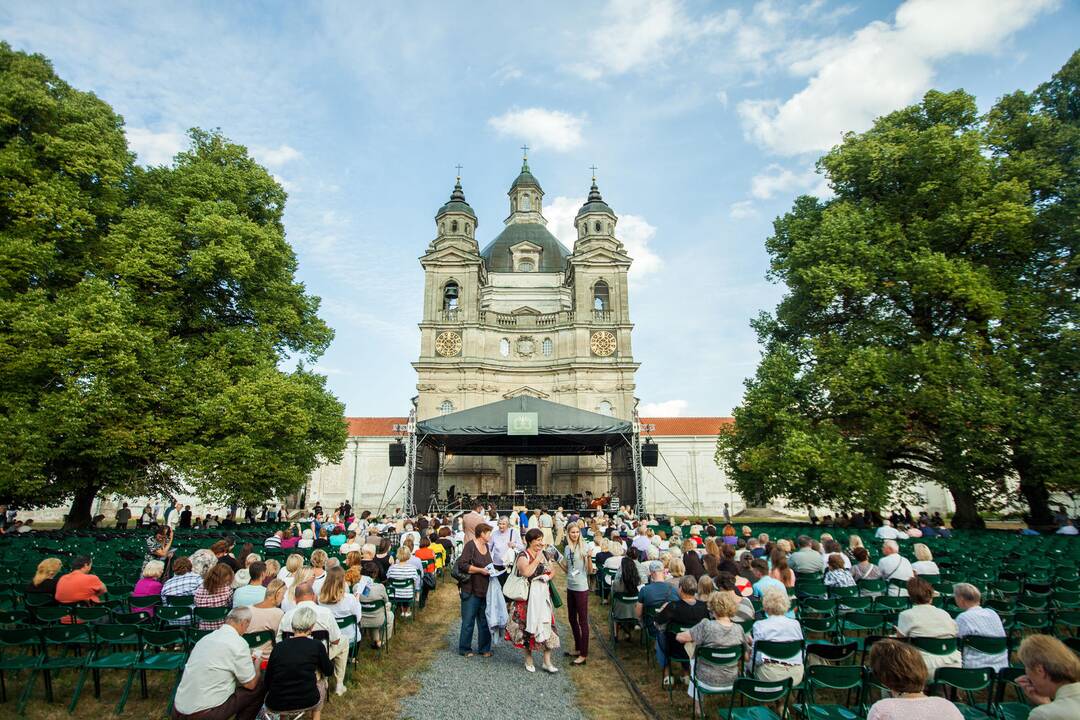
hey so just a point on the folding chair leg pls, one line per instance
(24, 697)
(48, 685)
(78, 690)
(172, 695)
(127, 690)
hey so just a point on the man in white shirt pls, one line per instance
(894, 566)
(641, 540)
(221, 679)
(172, 516)
(1068, 529)
(888, 532)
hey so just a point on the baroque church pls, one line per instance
(522, 314)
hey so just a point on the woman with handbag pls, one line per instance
(473, 570)
(532, 619)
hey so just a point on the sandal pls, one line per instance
(468, 655)
(487, 655)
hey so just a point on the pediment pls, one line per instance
(600, 255)
(525, 245)
(450, 255)
(525, 310)
(526, 390)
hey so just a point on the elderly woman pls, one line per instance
(368, 590)
(336, 598)
(1051, 678)
(184, 581)
(778, 627)
(863, 569)
(924, 561)
(307, 539)
(267, 613)
(531, 624)
(44, 581)
(923, 620)
(149, 584)
(215, 591)
(720, 632)
(899, 667)
(297, 670)
(202, 560)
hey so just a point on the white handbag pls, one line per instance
(516, 587)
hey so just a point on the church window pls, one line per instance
(597, 226)
(453, 226)
(446, 408)
(468, 229)
(548, 347)
(605, 408)
(442, 227)
(450, 296)
(504, 347)
(526, 202)
(526, 266)
(601, 296)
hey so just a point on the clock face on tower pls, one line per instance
(448, 344)
(602, 343)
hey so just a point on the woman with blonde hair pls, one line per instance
(711, 548)
(705, 589)
(924, 561)
(402, 570)
(293, 563)
(367, 589)
(300, 577)
(44, 581)
(149, 585)
(318, 569)
(267, 613)
(335, 597)
(676, 570)
(719, 632)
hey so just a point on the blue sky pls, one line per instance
(704, 119)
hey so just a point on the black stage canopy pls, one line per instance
(559, 430)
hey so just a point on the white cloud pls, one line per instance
(551, 129)
(275, 157)
(640, 33)
(634, 231)
(742, 209)
(155, 148)
(778, 179)
(666, 408)
(879, 68)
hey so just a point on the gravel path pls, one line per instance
(476, 687)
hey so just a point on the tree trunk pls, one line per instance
(1035, 493)
(82, 505)
(967, 513)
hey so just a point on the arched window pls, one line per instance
(446, 408)
(504, 347)
(526, 202)
(597, 226)
(605, 408)
(526, 266)
(450, 296)
(453, 226)
(547, 347)
(442, 227)
(601, 297)
(468, 229)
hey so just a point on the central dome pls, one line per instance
(553, 254)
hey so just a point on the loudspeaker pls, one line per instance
(397, 455)
(650, 455)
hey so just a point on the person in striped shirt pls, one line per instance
(403, 570)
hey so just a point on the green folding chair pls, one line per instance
(1017, 709)
(871, 588)
(834, 679)
(59, 642)
(776, 649)
(20, 649)
(967, 681)
(403, 594)
(760, 693)
(116, 647)
(257, 639)
(984, 644)
(49, 614)
(621, 601)
(171, 617)
(935, 646)
(210, 615)
(347, 625)
(92, 614)
(709, 656)
(378, 606)
(162, 651)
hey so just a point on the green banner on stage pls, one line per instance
(522, 423)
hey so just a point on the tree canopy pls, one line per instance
(927, 323)
(146, 314)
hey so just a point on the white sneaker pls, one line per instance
(530, 668)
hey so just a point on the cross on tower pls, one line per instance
(525, 151)
(458, 167)
(593, 168)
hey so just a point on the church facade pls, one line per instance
(523, 314)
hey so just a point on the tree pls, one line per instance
(1035, 138)
(145, 314)
(886, 337)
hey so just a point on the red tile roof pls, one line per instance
(691, 426)
(374, 426)
(688, 426)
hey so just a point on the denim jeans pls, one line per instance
(474, 613)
